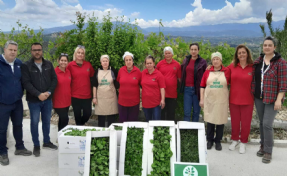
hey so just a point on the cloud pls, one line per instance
(70, 1)
(47, 14)
(135, 14)
(1, 2)
(244, 11)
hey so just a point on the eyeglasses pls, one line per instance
(64, 54)
(81, 46)
(35, 50)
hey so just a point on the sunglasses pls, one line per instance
(81, 46)
(64, 54)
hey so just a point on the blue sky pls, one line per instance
(174, 13)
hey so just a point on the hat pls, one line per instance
(104, 56)
(127, 54)
(216, 54)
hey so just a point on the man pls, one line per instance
(11, 93)
(40, 80)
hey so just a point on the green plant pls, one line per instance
(161, 152)
(77, 132)
(189, 145)
(134, 151)
(99, 162)
(118, 128)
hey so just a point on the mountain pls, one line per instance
(219, 30)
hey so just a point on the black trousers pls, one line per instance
(168, 112)
(210, 132)
(63, 117)
(102, 120)
(80, 105)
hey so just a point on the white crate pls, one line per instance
(72, 161)
(119, 132)
(71, 172)
(143, 125)
(112, 150)
(162, 123)
(202, 151)
(73, 144)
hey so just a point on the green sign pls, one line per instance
(190, 169)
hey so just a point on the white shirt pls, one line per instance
(11, 64)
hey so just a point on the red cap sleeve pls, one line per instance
(204, 79)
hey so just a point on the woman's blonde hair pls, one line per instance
(76, 50)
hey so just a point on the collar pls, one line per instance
(154, 72)
(58, 70)
(75, 63)
(248, 65)
(172, 60)
(10, 63)
(222, 68)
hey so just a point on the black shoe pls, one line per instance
(50, 146)
(218, 146)
(36, 151)
(23, 152)
(261, 152)
(209, 145)
(4, 160)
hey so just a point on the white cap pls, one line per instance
(127, 54)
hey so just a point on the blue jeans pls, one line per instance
(190, 101)
(152, 113)
(15, 111)
(45, 108)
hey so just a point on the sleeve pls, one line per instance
(161, 81)
(204, 79)
(228, 75)
(54, 80)
(179, 71)
(26, 81)
(282, 76)
(95, 79)
(92, 72)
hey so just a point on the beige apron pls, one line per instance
(216, 99)
(106, 94)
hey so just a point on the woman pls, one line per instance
(153, 93)
(81, 73)
(104, 92)
(62, 94)
(129, 78)
(214, 99)
(172, 72)
(192, 68)
(241, 101)
(268, 86)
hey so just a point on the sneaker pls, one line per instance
(260, 153)
(4, 160)
(242, 148)
(50, 146)
(218, 146)
(23, 152)
(36, 151)
(209, 145)
(233, 145)
(267, 158)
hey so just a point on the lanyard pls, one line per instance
(262, 74)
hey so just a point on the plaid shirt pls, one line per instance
(275, 79)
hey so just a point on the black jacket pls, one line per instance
(36, 82)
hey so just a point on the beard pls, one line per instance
(37, 58)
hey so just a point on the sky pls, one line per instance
(147, 13)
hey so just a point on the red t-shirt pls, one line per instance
(189, 79)
(240, 85)
(62, 94)
(151, 84)
(81, 84)
(206, 74)
(170, 71)
(129, 91)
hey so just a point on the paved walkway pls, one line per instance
(221, 163)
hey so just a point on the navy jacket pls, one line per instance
(10, 83)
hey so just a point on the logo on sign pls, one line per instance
(82, 145)
(81, 161)
(190, 171)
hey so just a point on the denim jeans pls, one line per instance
(152, 113)
(190, 101)
(15, 111)
(45, 108)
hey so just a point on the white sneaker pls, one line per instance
(242, 148)
(233, 145)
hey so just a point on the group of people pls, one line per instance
(78, 84)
